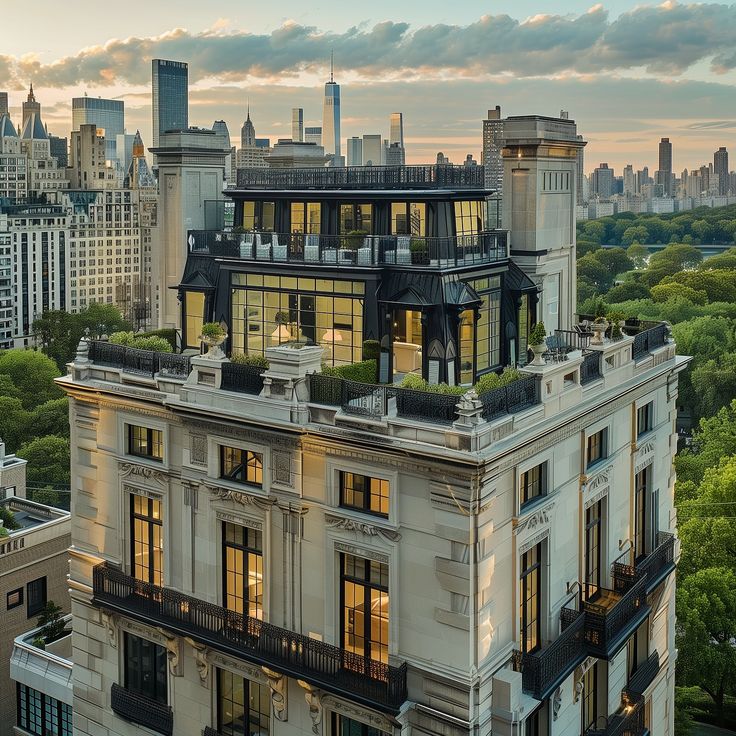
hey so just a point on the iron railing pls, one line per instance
(424, 406)
(352, 250)
(590, 368)
(544, 670)
(606, 624)
(657, 565)
(628, 722)
(365, 399)
(245, 379)
(511, 398)
(139, 362)
(144, 711)
(649, 339)
(428, 176)
(642, 678)
(577, 340)
(324, 389)
(372, 683)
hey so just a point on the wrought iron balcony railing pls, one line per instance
(352, 250)
(648, 340)
(544, 670)
(144, 711)
(139, 362)
(374, 684)
(657, 565)
(428, 176)
(610, 618)
(628, 722)
(590, 368)
(642, 678)
(245, 379)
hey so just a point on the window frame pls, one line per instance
(526, 572)
(21, 598)
(158, 672)
(601, 444)
(542, 482)
(46, 706)
(33, 608)
(589, 699)
(367, 493)
(149, 522)
(248, 551)
(253, 459)
(593, 523)
(149, 440)
(648, 415)
(246, 705)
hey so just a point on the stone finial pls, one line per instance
(82, 356)
(469, 410)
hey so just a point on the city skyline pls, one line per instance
(614, 95)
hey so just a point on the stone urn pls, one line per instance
(599, 330)
(539, 350)
(213, 343)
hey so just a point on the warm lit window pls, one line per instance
(243, 707)
(593, 549)
(530, 600)
(590, 701)
(645, 511)
(644, 418)
(241, 466)
(364, 492)
(356, 217)
(469, 217)
(533, 483)
(408, 218)
(243, 569)
(194, 317)
(597, 448)
(306, 217)
(259, 216)
(145, 442)
(364, 585)
(147, 550)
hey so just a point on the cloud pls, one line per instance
(665, 39)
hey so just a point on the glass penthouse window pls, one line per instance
(408, 218)
(259, 216)
(356, 217)
(306, 217)
(470, 217)
(488, 325)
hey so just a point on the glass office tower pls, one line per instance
(108, 115)
(170, 81)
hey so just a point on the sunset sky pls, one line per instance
(628, 73)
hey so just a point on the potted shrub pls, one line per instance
(54, 626)
(538, 343)
(616, 320)
(419, 252)
(213, 335)
(354, 239)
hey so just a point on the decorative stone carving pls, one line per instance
(362, 552)
(535, 519)
(369, 530)
(138, 491)
(173, 652)
(281, 468)
(357, 713)
(314, 701)
(239, 497)
(109, 621)
(279, 686)
(141, 471)
(240, 520)
(198, 449)
(601, 478)
(200, 657)
(556, 703)
(579, 687)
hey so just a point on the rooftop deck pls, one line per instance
(427, 176)
(350, 251)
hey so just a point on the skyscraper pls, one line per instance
(331, 115)
(297, 124)
(355, 151)
(247, 132)
(30, 106)
(492, 144)
(170, 87)
(313, 135)
(664, 172)
(629, 180)
(601, 182)
(372, 150)
(107, 115)
(396, 137)
(720, 167)
(3, 103)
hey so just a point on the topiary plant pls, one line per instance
(538, 334)
(258, 361)
(53, 624)
(8, 519)
(281, 318)
(213, 330)
(121, 338)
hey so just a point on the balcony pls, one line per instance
(642, 678)
(351, 251)
(611, 617)
(371, 683)
(429, 176)
(659, 563)
(628, 722)
(546, 669)
(139, 362)
(144, 711)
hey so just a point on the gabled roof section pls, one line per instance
(7, 129)
(33, 129)
(517, 280)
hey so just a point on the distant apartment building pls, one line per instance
(297, 124)
(313, 134)
(492, 146)
(355, 151)
(89, 167)
(601, 182)
(372, 150)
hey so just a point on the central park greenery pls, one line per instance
(697, 297)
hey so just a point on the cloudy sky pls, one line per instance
(628, 72)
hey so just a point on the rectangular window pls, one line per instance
(241, 466)
(306, 217)
(593, 549)
(530, 600)
(364, 587)
(590, 705)
(145, 442)
(356, 217)
(259, 216)
(14, 598)
(147, 543)
(642, 483)
(194, 317)
(344, 726)
(243, 569)
(597, 448)
(533, 483)
(364, 492)
(466, 339)
(41, 714)
(644, 418)
(36, 596)
(145, 668)
(470, 217)
(488, 324)
(243, 707)
(408, 218)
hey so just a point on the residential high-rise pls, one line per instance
(287, 549)
(3, 103)
(106, 115)
(89, 167)
(629, 187)
(13, 163)
(492, 145)
(396, 139)
(59, 148)
(372, 149)
(297, 124)
(6, 283)
(580, 191)
(30, 106)
(720, 168)
(313, 135)
(601, 182)
(170, 97)
(355, 151)
(664, 172)
(331, 116)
